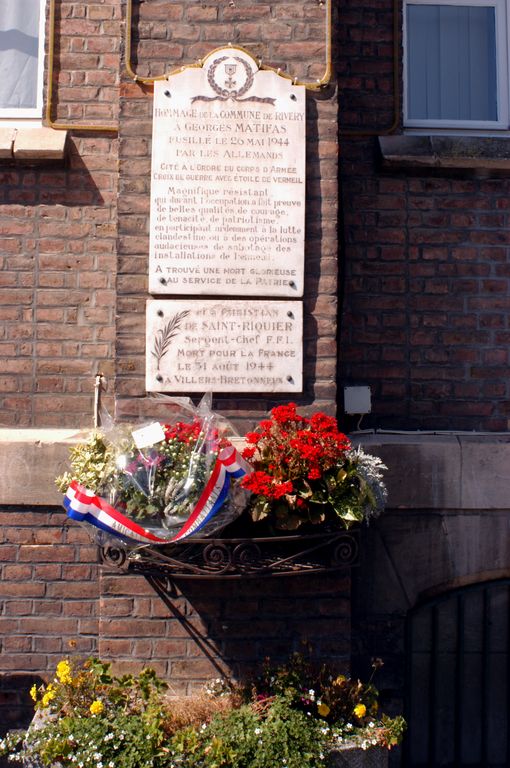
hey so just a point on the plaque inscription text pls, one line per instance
(224, 346)
(228, 181)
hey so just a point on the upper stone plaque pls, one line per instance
(228, 181)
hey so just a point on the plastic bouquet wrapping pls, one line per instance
(158, 482)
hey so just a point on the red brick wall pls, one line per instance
(425, 260)
(48, 600)
(58, 226)
(58, 235)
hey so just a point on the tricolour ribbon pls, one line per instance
(83, 505)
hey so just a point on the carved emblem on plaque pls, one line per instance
(164, 336)
(230, 69)
(221, 79)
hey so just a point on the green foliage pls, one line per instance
(349, 706)
(395, 729)
(92, 465)
(88, 717)
(120, 739)
(251, 737)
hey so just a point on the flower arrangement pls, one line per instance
(349, 707)
(290, 716)
(161, 483)
(306, 471)
(171, 478)
(87, 717)
(174, 478)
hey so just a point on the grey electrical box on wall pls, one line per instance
(357, 400)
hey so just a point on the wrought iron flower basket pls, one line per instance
(225, 557)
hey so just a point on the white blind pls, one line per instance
(451, 62)
(19, 51)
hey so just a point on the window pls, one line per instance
(21, 58)
(456, 64)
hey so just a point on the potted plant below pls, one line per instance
(291, 716)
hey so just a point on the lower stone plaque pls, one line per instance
(224, 346)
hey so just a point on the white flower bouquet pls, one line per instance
(159, 482)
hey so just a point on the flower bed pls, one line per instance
(292, 716)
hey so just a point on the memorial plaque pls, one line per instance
(228, 181)
(224, 346)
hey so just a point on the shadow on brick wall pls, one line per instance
(193, 630)
(235, 626)
(69, 185)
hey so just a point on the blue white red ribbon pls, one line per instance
(83, 505)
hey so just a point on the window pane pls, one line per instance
(19, 50)
(451, 62)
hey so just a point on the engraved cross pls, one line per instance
(230, 70)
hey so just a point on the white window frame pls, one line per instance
(31, 115)
(502, 69)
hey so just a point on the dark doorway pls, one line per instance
(458, 679)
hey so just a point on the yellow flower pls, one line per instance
(96, 707)
(64, 672)
(48, 696)
(33, 692)
(323, 709)
(360, 710)
(340, 679)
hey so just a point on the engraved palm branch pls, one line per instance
(164, 336)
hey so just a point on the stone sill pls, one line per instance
(32, 145)
(30, 459)
(444, 471)
(456, 472)
(479, 155)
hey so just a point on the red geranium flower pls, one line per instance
(289, 447)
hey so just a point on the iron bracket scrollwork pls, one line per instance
(237, 557)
